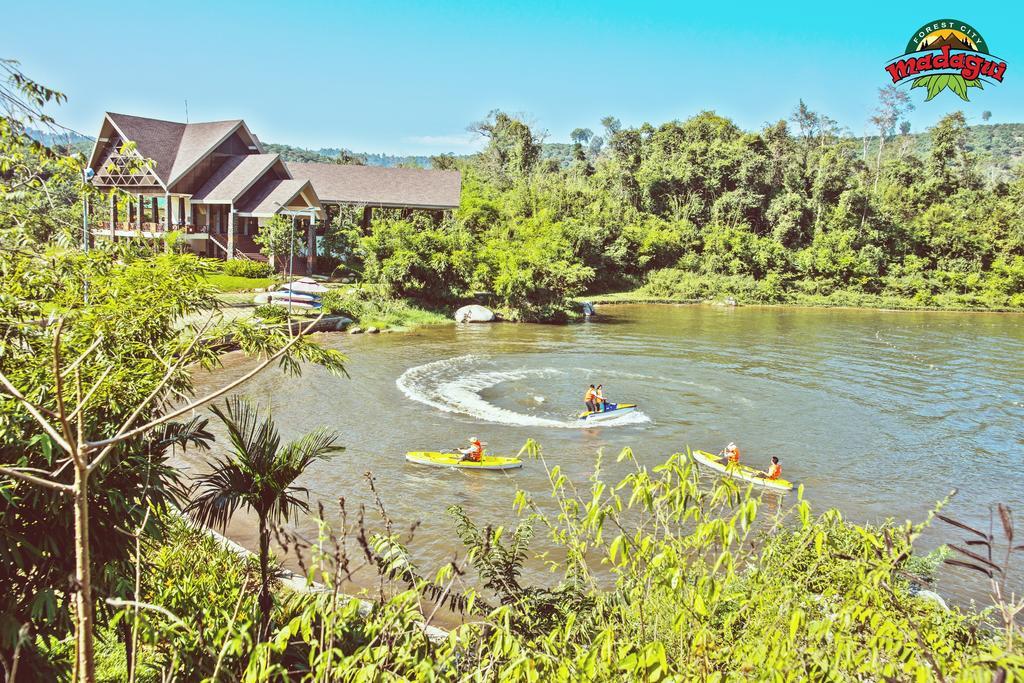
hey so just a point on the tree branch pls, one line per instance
(31, 479)
(92, 347)
(34, 412)
(108, 444)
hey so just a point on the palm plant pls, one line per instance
(257, 474)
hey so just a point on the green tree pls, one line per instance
(258, 474)
(278, 237)
(512, 148)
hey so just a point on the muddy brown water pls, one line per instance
(879, 414)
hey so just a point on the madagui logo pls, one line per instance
(947, 54)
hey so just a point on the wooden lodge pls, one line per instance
(214, 184)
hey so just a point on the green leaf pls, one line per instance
(958, 85)
(921, 82)
(937, 85)
(976, 83)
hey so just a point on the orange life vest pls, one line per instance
(476, 452)
(589, 395)
(774, 471)
(733, 454)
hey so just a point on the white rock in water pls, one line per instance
(474, 314)
(933, 597)
(372, 330)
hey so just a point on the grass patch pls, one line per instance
(402, 316)
(371, 309)
(235, 283)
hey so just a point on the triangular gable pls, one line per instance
(154, 139)
(115, 166)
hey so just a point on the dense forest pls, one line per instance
(699, 209)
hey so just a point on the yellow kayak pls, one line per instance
(490, 462)
(740, 471)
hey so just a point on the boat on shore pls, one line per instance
(740, 471)
(611, 410)
(437, 459)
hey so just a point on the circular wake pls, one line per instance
(454, 385)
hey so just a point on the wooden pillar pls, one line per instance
(311, 245)
(154, 212)
(167, 212)
(139, 209)
(113, 216)
(231, 233)
(367, 218)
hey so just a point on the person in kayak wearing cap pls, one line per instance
(731, 453)
(774, 470)
(475, 452)
(590, 398)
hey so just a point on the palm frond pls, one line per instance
(216, 496)
(254, 436)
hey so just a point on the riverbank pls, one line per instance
(836, 300)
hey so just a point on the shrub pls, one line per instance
(271, 313)
(246, 268)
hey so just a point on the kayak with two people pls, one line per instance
(727, 462)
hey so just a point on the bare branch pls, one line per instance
(108, 444)
(83, 356)
(31, 479)
(82, 402)
(58, 385)
(34, 412)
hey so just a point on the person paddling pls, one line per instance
(590, 399)
(731, 453)
(475, 452)
(774, 470)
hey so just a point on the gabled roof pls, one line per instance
(154, 139)
(236, 175)
(379, 186)
(268, 198)
(175, 147)
(198, 140)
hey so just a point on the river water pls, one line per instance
(877, 413)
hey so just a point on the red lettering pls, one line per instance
(901, 69)
(972, 67)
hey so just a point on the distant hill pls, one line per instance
(999, 146)
(67, 140)
(330, 155)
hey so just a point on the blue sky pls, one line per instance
(409, 77)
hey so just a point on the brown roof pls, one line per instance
(197, 140)
(379, 186)
(154, 139)
(269, 197)
(236, 175)
(175, 147)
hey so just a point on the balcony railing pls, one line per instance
(188, 228)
